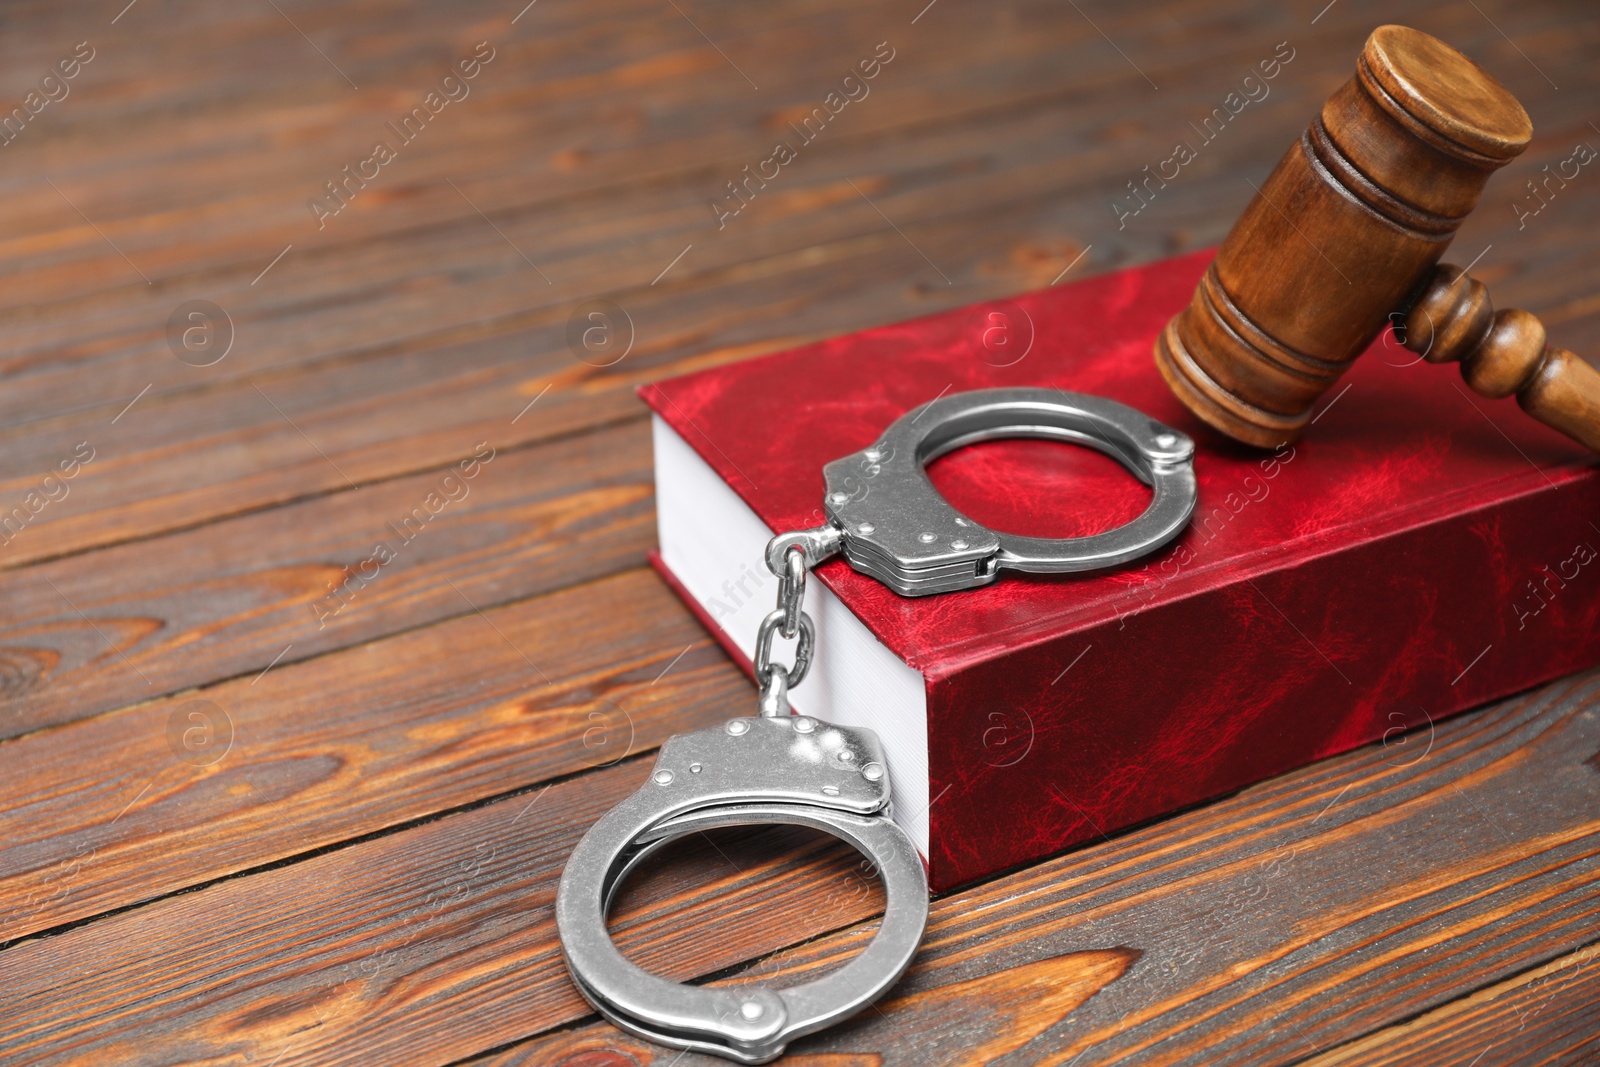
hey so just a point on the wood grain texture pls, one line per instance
(91, 632)
(610, 204)
(421, 946)
(984, 1020)
(1429, 869)
(120, 809)
(1546, 1015)
(1271, 925)
(795, 271)
(1564, 393)
(365, 876)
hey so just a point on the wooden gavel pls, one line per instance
(1344, 237)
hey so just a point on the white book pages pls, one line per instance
(713, 543)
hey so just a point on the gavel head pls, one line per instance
(1343, 233)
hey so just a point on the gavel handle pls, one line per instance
(1504, 352)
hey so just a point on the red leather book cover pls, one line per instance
(1420, 551)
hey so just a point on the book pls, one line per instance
(1418, 552)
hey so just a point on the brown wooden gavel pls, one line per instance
(1344, 237)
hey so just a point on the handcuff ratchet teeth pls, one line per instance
(889, 522)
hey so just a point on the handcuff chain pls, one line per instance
(792, 591)
(790, 556)
(789, 618)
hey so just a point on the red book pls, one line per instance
(1422, 550)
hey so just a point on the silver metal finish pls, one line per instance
(896, 527)
(774, 702)
(818, 544)
(770, 625)
(776, 767)
(773, 768)
(748, 771)
(792, 590)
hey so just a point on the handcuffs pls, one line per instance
(888, 520)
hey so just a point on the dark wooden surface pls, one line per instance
(361, 869)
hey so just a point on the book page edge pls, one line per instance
(713, 543)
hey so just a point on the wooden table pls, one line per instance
(270, 795)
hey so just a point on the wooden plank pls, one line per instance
(977, 1021)
(1429, 868)
(701, 108)
(1083, 156)
(1546, 1015)
(394, 341)
(513, 138)
(951, 76)
(1226, 964)
(141, 620)
(143, 802)
(1549, 1015)
(194, 456)
(331, 302)
(415, 947)
(217, 445)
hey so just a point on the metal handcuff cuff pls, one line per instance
(889, 521)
